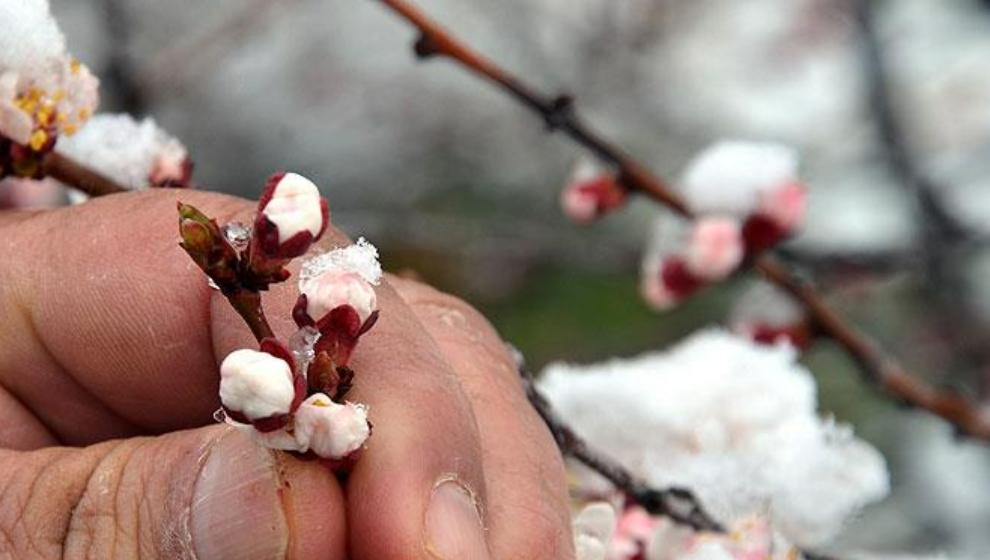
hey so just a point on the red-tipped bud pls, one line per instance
(590, 193)
(291, 216)
(714, 249)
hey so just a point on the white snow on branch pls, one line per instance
(133, 153)
(734, 422)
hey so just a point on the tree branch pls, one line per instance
(78, 176)
(559, 115)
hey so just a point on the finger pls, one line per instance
(528, 509)
(134, 324)
(418, 490)
(206, 493)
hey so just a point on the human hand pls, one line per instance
(109, 342)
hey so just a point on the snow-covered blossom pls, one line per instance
(291, 216)
(730, 177)
(136, 154)
(593, 527)
(329, 429)
(337, 298)
(755, 182)
(590, 192)
(256, 384)
(44, 91)
(343, 276)
(715, 248)
(734, 422)
(765, 314)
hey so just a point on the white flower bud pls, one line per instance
(334, 288)
(329, 429)
(256, 384)
(295, 207)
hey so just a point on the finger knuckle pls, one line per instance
(103, 521)
(30, 525)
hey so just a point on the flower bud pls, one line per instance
(780, 214)
(767, 315)
(256, 385)
(715, 248)
(669, 283)
(329, 429)
(590, 193)
(291, 216)
(334, 289)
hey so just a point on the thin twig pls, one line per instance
(247, 303)
(678, 504)
(78, 176)
(559, 114)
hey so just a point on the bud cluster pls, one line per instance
(291, 395)
(745, 197)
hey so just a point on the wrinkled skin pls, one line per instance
(108, 382)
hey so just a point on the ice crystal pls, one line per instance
(360, 258)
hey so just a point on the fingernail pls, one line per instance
(236, 509)
(454, 529)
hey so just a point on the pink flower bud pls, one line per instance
(172, 169)
(715, 248)
(291, 216)
(329, 429)
(335, 288)
(670, 283)
(256, 385)
(590, 193)
(785, 205)
(632, 534)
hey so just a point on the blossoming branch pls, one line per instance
(291, 394)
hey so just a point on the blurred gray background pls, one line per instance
(888, 101)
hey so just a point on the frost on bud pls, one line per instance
(590, 193)
(767, 315)
(257, 387)
(331, 430)
(337, 298)
(714, 248)
(755, 182)
(593, 527)
(291, 216)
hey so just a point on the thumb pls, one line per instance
(209, 493)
